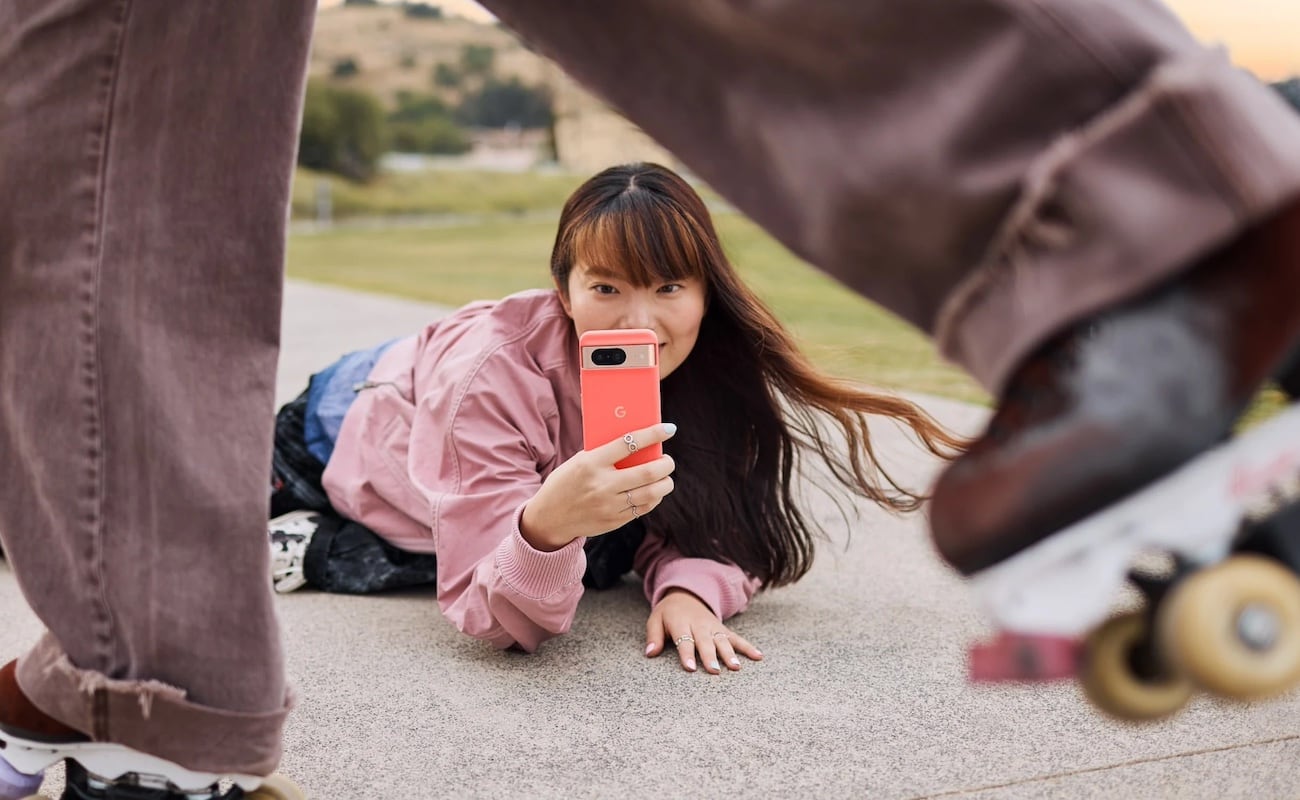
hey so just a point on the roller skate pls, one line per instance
(118, 773)
(289, 535)
(110, 772)
(31, 742)
(1220, 609)
(1112, 457)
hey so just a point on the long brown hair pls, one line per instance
(747, 402)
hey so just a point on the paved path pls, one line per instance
(861, 694)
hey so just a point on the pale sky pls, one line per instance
(1261, 35)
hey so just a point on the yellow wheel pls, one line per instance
(1111, 683)
(277, 787)
(1235, 628)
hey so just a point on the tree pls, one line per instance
(422, 11)
(343, 131)
(422, 123)
(436, 136)
(503, 103)
(445, 76)
(477, 59)
(1290, 90)
(318, 142)
(414, 107)
(363, 134)
(345, 68)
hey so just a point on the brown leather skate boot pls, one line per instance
(19, 717)
(22, 720)
(1114, 403)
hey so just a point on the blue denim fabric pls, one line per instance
(330, 394)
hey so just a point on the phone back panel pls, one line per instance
(620, 398)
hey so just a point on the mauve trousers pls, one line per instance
(146, 153)
(989, 170)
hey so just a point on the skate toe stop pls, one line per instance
(1024, 657)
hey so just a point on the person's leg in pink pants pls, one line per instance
(146, 153)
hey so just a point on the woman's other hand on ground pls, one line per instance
(683, 621)
(587, 495)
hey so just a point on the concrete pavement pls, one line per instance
(862, 692)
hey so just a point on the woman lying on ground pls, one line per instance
(455, 456)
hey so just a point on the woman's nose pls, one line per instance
(638, 315)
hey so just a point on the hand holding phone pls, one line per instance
(620, 389)
(588, 495)
(620, 419)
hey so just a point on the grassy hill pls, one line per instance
(394, 52)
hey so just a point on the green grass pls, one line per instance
(452, 265)
(842, 333)
(444, 192)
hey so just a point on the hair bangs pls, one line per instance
(642, 241)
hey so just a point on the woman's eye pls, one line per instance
(604, 288)
(670, 288)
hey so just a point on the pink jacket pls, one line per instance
(454, 432)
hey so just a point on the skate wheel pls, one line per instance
(277, 787)
(1235, 628)
(1110, 679)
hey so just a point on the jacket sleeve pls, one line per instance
(477, 453)
(724, 588)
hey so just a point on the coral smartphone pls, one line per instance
(620, 388)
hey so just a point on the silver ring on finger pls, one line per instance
(723, 634)
(685, 637)
(635, 514)
(630, 442)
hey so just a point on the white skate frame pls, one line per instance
(112, 762)
(1066, 584)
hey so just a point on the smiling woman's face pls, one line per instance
(601, 298)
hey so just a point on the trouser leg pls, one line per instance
(146, 150)
(990, 170)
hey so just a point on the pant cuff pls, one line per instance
(151, 716)
(1192, 156)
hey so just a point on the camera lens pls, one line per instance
(608, 356)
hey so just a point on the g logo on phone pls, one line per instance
(620, 412)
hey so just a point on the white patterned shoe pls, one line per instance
(290, 534)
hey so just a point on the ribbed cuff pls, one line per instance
(152, 717)
(537, 574)
(715, 590)
(1178, 168)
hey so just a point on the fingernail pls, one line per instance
(735, 662)
(690, 664)
(649, 648)
(716, 667)
(670, 427)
